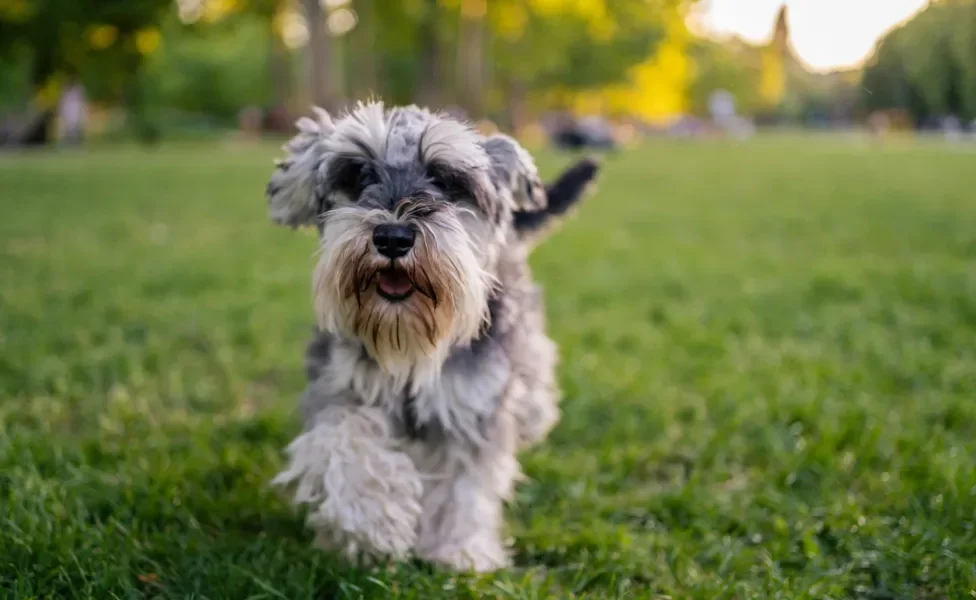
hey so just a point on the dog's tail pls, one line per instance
(561, 195)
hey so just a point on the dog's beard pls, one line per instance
(407, 310)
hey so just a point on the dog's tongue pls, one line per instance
(394, 283)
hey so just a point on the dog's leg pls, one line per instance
(364, 494)
(463, 519)
(535, 395)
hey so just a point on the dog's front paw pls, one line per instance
(364, 497)
(478, 555)
(371, 520)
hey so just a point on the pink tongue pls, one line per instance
(394, 283)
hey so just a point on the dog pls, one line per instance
(430, 369)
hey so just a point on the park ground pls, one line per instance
(768, 359)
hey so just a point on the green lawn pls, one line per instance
(768, 358)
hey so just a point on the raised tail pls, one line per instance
(561, 195)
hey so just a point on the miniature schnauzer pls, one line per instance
(431, 368)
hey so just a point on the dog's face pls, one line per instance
(412, 213)
(407, 254)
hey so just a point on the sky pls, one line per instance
(826, 34)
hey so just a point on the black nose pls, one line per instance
(392, 240)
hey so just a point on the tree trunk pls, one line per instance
(279, 68)
(282, 104)
(319, 56)
(38, 130)
(146, 128)
(429, 92)
(362, 57)
(471, 50)
(516, 106)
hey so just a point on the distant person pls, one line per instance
(879, 123)
(249, 122)
(952, 128)
(73, 113)
(722, 106)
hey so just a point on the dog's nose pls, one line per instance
(393, 240)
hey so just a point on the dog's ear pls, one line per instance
(296, 189)
(514, 172)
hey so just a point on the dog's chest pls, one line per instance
(457, 401)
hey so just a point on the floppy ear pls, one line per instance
(514, 172)
(296, 191)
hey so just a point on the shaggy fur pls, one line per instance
(431, 368)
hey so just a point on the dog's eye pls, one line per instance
(421, 212)
(350, 175)
(446, 182)
(367, 177)
(439, 184)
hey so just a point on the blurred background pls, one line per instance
(571, 72)
(766, 345)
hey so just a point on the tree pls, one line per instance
(278, 60)
(364, 56)
(321, 87)
(430, 90)
(730, 65)
(551, 50)
(471, 55)
(214, 69)
(928, 65)
(963, 47)
(94, 39)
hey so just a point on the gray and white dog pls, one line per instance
(431, 368)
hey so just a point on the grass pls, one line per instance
(768, 358)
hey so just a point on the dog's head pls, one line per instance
(413, 209)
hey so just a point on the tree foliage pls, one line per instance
(577, 45)
(215, 57)
(81, 37)
(214, 72)
(928, 65)
(730, 66)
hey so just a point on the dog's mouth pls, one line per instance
(394, 285)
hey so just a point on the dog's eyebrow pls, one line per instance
(420, 144)
(414, 206)
(395, 115)
(363, 147)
